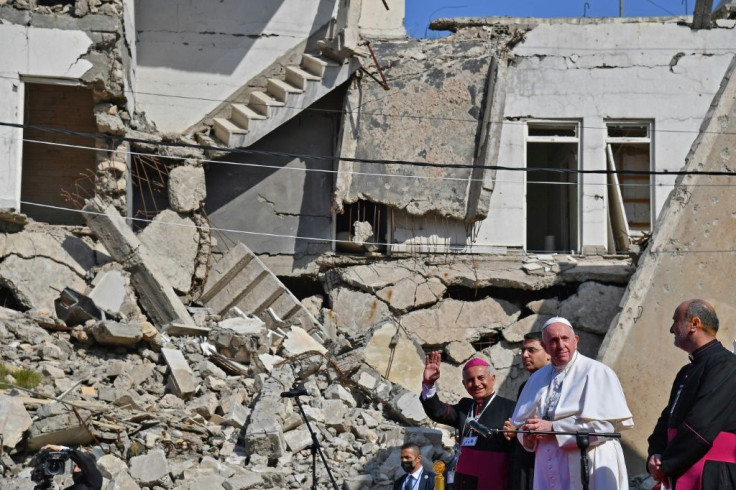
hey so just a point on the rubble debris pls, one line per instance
(155, 292)
(116, 333)
(181, 378)
(109, 291)
(187, 188)
(74, 308)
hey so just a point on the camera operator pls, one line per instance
(85, 474)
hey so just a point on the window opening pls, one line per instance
(51, 172)
(354, 223)
(552, 187)
(630, 195)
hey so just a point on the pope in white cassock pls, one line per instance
(573, 393)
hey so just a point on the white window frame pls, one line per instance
(578, 140)
(649, 139)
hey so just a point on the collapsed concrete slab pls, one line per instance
(38, 263)
(241, 280)
(391, 352)
(454, 320)
(154, 289)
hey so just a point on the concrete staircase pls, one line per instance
(283, 99)
(241, 280)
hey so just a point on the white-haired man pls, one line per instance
(573, 393)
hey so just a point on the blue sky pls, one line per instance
(420, 12)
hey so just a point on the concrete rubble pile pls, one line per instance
(175, 397)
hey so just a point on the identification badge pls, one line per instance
(470, 441)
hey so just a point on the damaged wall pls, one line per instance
(587, 72)
(659, 71)
(688, 257)
(193, 55)
(286, 196)
(431, 113)
(57, 53)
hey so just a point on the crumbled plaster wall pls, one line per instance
(431, 113)
(691, 255)
(653, 70)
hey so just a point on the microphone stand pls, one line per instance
(582, 439)
(316, 449)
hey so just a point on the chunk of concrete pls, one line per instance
(263, 434)
(154, 289)
(109, 291)
(149, 469)
(181, 379)
(187, 188)
(298, 341)
(410, 407)
(592, 307)
(459, 351)
(338, 392)
(459, 320)
(14, 420)
(237, 416)
(549, 306)
(298, 439)
(122, 481)
(115, 333)
(531, 323)
(390, 352)
(173, 241)
(412, 292)
(243, 481)
(110, 466)
(356, 312)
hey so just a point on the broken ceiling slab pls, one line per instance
(448, 83)
(42, 260)
(241, 280)
(14, 420)
(154, 289)
(173, 241)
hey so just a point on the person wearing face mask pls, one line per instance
(482, 462)
(572, 394)
(416, 477)
(86, 475)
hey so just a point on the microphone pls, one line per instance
(480, 428)
(300, 390)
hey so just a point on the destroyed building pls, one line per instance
(193, 193)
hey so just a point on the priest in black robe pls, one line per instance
(693, 446)
(483, 462)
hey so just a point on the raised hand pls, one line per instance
(432, 368)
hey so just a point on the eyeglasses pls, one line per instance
(530, 350)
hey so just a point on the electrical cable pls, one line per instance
(350, 172)
(413, 163)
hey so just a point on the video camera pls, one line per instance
(47, 464)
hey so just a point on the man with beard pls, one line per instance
(482, 462)
(416, 477)
(693, 445)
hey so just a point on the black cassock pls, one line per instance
(482, 466)
(696, 432)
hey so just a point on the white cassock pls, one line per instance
(585, 396)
